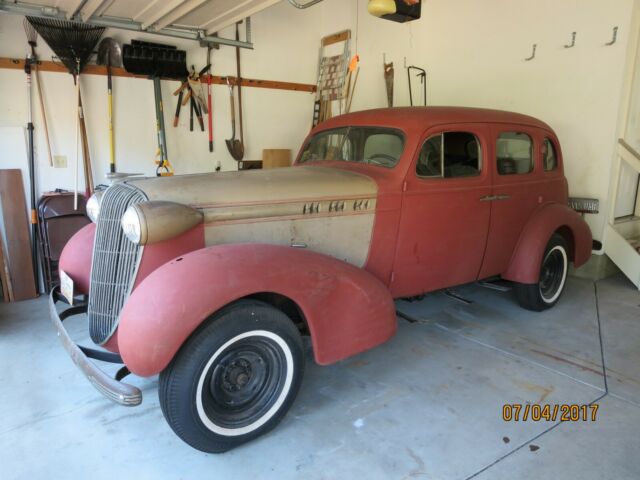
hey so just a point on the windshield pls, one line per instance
(370, 145)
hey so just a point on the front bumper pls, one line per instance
(112, 388)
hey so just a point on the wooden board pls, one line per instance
(276, 158)
(16, 228)
(46, 66)
(5, 284)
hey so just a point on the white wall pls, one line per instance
(284, 50)
(473, 51)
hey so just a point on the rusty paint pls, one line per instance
(543, 391)
(564, 360)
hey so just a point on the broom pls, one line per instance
(73, 43)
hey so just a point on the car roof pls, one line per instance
(407, 118)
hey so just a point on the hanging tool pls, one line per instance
(110, 55)
(28, 63)
(176, 118)
(388, 81)
(239, 83)
(191, 114)
(209, 102)
(32, 39)
(164, 167)
(353, 90)
(73, 43)
(156, 60)
(198, 111)
(422, 74)
(193, 88)
(235, 147)
(86, 153)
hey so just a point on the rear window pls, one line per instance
(371, 145)
(515, 153)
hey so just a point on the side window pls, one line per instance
(430, 159)
(549, 157)
(515, 153)
(450, 155)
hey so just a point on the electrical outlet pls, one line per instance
(59, 161)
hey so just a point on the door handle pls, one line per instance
(491, 198)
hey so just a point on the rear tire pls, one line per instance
(234, 378)
(553, 275)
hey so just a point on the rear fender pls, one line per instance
(524, 266)
(347, 309)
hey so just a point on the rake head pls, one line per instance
(72, 42)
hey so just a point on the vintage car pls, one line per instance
(211, 280)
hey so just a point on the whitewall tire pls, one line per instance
(553, 276)
(235, 377)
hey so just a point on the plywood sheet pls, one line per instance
(16, 230)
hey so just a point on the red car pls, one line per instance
(211, 280)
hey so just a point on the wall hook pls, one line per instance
(615, 37)
(573, 41)
(533, 54)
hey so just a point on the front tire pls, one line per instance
(553, 275)
(234, 378)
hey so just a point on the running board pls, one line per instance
(491, 285)
(451, 294)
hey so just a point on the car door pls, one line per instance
(444, 220)
(517, 183)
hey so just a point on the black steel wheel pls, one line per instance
(553, 275)
(235, 377)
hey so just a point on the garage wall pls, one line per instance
(284, 50)
(474, 53)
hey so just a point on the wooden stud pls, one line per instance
(47, 66)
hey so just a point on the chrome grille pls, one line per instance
(115, 261)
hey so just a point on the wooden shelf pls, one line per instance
(47, 66)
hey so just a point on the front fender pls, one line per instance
(524, 266)
(76, 256)
(347, 309)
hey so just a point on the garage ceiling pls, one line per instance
(195, 19)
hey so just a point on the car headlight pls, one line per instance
(152, 222)
(131, 225)
(93, 206)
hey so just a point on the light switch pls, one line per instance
(59, 161)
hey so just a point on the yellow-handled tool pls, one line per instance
(110, 55)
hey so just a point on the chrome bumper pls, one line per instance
(113, 389)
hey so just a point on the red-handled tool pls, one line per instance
(210, 116)
(209, 102)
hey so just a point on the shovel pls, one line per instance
(110, 54)
(235, 147)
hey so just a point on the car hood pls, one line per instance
(303, 183)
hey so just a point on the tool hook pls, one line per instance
(573, 41)
(533, 54)
(615, 37)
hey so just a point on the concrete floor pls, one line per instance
(428, 404)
